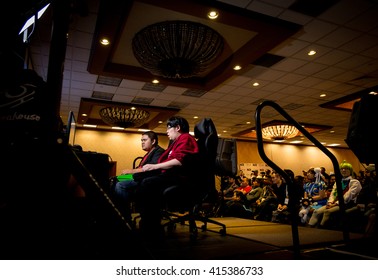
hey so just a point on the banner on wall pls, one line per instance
(248, 167)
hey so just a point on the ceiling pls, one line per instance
(270, 39)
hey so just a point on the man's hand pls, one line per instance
(148, 167)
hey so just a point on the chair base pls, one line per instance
(191, 218)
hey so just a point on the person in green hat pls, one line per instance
(351, 188)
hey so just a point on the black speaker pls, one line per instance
(362, 125)
(226, 160)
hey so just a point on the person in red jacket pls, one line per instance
(175, 166)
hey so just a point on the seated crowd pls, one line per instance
(317, 201)
(312, 199)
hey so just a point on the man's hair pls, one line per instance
(178, 121)
(153, 136)
(311, 170)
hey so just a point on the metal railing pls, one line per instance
(290, 182)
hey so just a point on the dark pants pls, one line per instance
(150, 201)
(124, 194)
(265, 209)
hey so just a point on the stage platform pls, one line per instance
(252, 239)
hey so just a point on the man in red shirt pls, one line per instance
(175, 166)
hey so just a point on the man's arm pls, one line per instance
(163, 165)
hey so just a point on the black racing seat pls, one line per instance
(199, 194)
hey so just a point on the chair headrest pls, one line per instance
(204, 128)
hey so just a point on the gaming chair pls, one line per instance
(200, 192)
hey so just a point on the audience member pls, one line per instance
(245, 186)
(237, 205)
(226, 194)
(268, 173)
(351, 188)
(255, 193)
(281, 189)
(324, 174)
(314, 194)
(254, 174)
(358, 216)
(267, 202)
(239, 177)
(331, 182)
(228, 191)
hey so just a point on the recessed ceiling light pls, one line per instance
(323, 95)
(155, 81)
(104, 42)
(255, 84)
(212, 14)
(195, 117)
(237, 67)
(312, 52)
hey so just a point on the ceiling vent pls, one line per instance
(109, 81)
(177, 105)
(154, 87)
(292, 106)
(102, 95)
(268, 60)
(142, 100)
(194, 92)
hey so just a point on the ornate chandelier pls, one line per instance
(122, 117)
(177, 49)
(279, 132)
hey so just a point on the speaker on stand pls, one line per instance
(361, 137)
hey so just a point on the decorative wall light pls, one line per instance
(124, 117)
(177, 49)
(279, 132)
